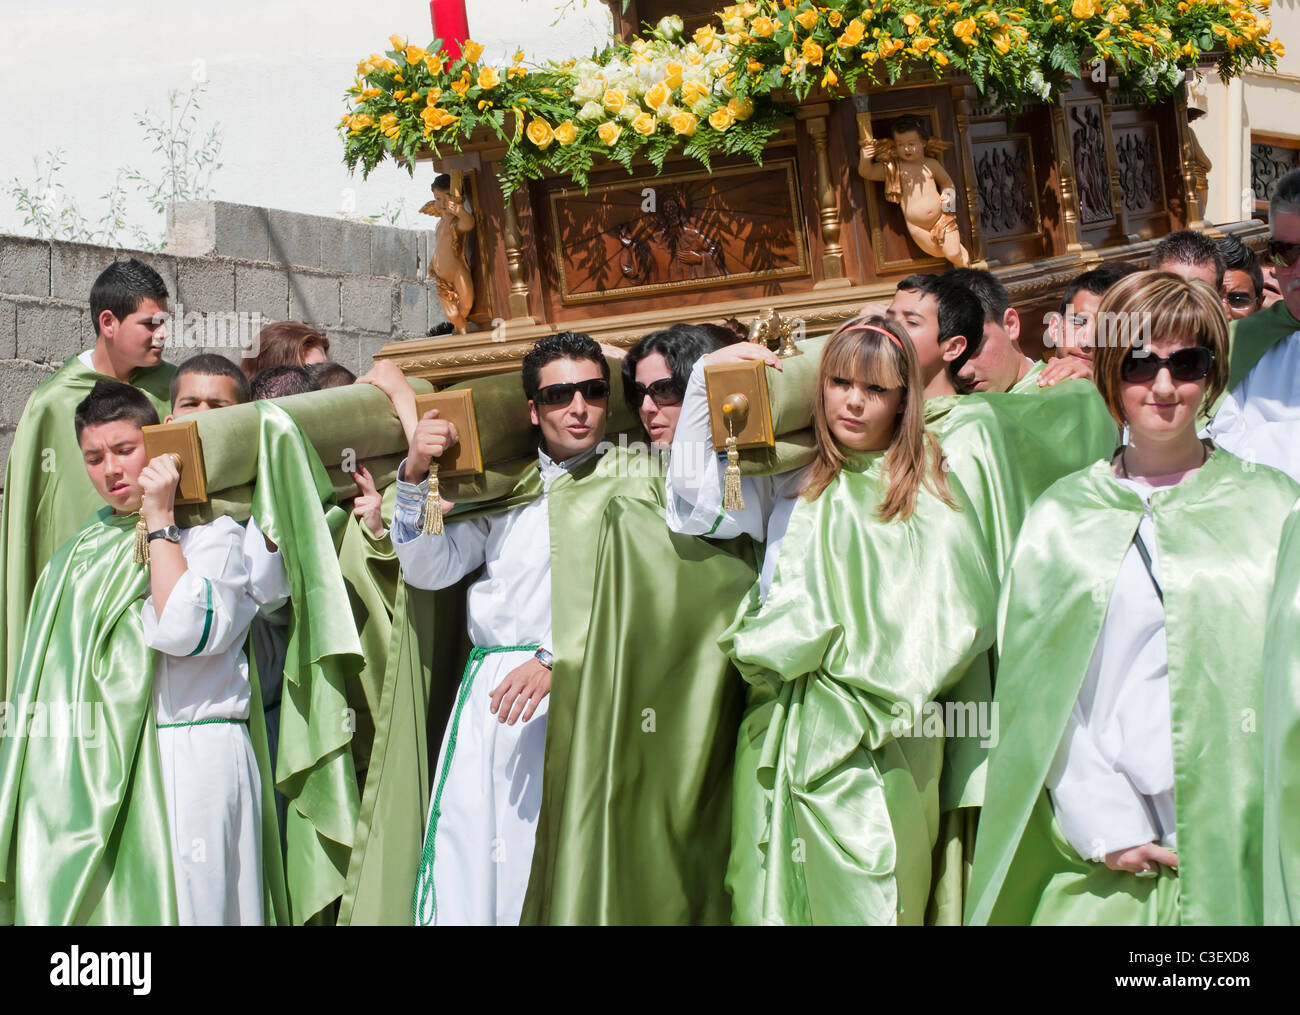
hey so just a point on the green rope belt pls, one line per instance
(422, 914)
(201, 722)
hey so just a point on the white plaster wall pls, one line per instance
(1263, 103)
(74, 74)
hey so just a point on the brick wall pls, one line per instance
(363, 285)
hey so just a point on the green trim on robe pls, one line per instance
(866, 621)
(1280, 729)
(84, 833)
(641, 725)
(314, 768)
(1216, 574)
(47, 496)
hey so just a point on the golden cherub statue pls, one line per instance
(917, 182)
(448, 266)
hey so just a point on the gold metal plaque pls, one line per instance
(180, 438)
(465, 457)
(724, 381)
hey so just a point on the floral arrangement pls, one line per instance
(726, 90)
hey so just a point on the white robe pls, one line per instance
(695, 487)
(1259, 420)
(488, 784)
(210, 775)
(1112, 780)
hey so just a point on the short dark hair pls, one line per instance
(1188, 246)
(1239, 257)
(1286, 195)
(331, 375)
(442, 182)
(212, 365)
(960, 313)
(565, 345)
(910, 121)
(1096, 281)
(992, 294)
(286, 379)
(110, 401)
(680, 344)
(122, 287)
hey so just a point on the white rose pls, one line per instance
(592, 111)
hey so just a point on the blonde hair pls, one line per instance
(1144, 302)
(874, 350)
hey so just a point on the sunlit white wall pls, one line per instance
(75, 74)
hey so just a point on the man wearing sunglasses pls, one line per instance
(1259, 419)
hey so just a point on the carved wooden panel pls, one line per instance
(1087, 132)
(1141, 171)
(679, 232)
(1004, 175)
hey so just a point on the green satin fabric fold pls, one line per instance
(1280, 731)
(83, 822)
(866, 621)
(636, 804)
(314, 769)
(47, 495)
(1053, 604)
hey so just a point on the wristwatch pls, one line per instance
(544, 657)
(168, 532)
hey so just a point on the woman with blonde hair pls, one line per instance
(1126, 784)
(286, 343)
(876, 592)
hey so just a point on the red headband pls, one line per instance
(880, 331)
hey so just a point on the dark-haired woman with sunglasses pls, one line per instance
(1126, 785)
(655, 372)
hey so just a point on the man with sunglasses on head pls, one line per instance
(1259, 419)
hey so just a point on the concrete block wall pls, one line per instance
(363, 285)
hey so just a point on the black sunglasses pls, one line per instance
(665, 391)
(1283, 254)
(1239, 300)
(562, 394)
(1184, 365)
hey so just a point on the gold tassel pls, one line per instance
(432, 505)
(732, 498)
(141, 542)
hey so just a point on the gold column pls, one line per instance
(518, 299)
(828, 205)
(1065, 171)
(962, 106)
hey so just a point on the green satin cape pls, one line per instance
(1216, 574)
(835, 812)
(314, 768)
(83, 821)
(47, 496)
(641, 726)
(1280, 728)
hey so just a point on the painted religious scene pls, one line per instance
(796, 463)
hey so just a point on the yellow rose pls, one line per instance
(706, 38)
(658, 94)
(964, 28)
(362, 121)
(434, 95)
(741, 109)
(388, 124)
(488, 78)
(941, 58)
(761, 28)
(1276, 46)
(922, 44)
(414, 54)
(400, 94)
(683, 123)
(1001, 44)
(471, 50)
(835, 19)
(609, 132)
(807, 19)
(722, 118)
(398, 42)
(812, 52)
(566, 133)
(1084, 9)
(674, 71)
(693, 91)
(754, 67)
(912, 22)
(462, 86)
(540, 133)
(645, 123)
(853, 33)
(434, 63)
(615, 99)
